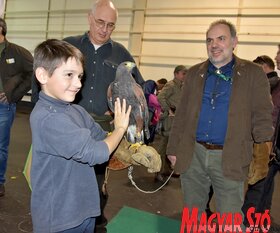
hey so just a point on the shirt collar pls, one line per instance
(86, 37)
(52, 101)
(226, 69)
(178, 82)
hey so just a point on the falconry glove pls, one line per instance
(135, 154)
(146, 156)
(259, 165)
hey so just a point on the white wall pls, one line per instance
(2, 7)
(173, 32)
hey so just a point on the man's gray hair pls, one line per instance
(102, 2)
(225, 22)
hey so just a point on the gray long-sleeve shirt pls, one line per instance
(66, 144)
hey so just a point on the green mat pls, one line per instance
(130, 220)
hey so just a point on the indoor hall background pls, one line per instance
(168, 202)
(160, 34)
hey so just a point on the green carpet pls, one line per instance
(130, 220)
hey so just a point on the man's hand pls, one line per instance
(172, 159)
(3, 98)
(171, 113)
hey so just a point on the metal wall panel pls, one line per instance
(173, 31)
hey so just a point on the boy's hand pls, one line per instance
(121, 119)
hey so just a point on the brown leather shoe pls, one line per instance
(2, 190)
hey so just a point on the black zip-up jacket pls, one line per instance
(16, 69)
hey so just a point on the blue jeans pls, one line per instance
(86, 227)
(7, 115)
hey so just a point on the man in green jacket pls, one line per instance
(169, 98)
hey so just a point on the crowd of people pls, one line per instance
(221, 108)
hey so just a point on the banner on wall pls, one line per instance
(2, 7)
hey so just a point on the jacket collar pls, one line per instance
(86, 37)
(177, 82)
(238, 67)
(52, 103)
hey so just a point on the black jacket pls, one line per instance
(16, 69)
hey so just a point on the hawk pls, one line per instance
(125, 87)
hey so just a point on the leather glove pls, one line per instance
(135, 154)
(148, 157)
(259, 165)
(121, 157)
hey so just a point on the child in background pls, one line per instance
(150, 89)
(66, 143)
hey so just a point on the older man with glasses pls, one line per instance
(102, 55)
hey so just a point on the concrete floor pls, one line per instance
(15, 210)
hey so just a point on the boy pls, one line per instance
(66, 144)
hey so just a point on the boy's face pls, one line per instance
(65, 81)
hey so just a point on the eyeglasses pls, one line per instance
(102, 24)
